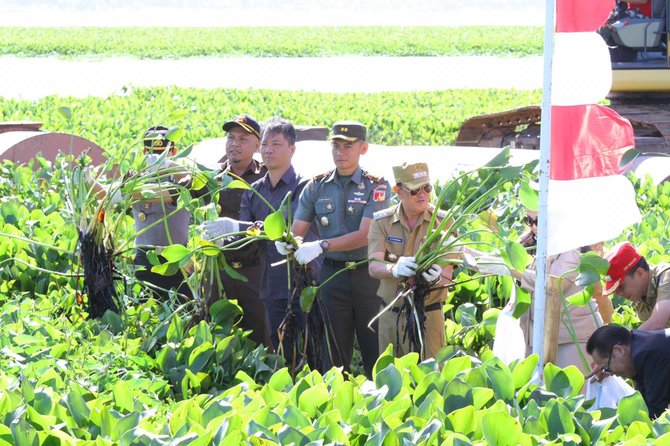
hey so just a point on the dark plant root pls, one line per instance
(298, 344)
(98, 264)
(413, 309)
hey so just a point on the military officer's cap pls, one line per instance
(349, 131)
(411, 176)
(155, 138)
(246, 123)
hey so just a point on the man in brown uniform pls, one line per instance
(646, 286)
(395, 236)
(242, 141)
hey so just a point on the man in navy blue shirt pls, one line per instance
(643, 356)
(277, 149)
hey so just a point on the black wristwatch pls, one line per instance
(324, 244)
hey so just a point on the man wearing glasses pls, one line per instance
(646, 286)
(342, 202)
(643, 356)
(395, 236)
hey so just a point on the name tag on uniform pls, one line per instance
(394, 239)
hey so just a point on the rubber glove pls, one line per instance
(432, 274)
(284, 248)
(492, 265)
(404, 267)
(308, 251)
(214, 230)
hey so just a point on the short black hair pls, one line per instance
(642, 263)
(281, 126)
(606, 337)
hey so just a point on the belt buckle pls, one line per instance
(236, 265)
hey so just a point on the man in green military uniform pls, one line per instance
(342, 202)
(646, 286)
(395, 236)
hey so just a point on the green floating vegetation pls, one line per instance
(407, 118)
(161, 43)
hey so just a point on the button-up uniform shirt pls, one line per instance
(230, 199)
(274, 282)
(658, 290)
(339, 206)
(390, 234)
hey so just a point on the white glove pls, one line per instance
(492, 265)
(217, 228)
(308, 251)
(284, 248)
(432, 274)
(404, 267)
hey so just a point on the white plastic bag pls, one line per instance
(607, 392)
(509, 343)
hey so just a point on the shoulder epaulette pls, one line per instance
(384, 213)
(373, 178)
(321, 176)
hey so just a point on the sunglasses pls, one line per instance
(607, 369)
(530, 221)
(427, 189)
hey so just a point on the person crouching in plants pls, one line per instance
(395, 236)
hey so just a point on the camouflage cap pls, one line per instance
(412, 176)
(155, 138)
(246, 123)
(349, 131)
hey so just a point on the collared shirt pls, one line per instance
(274, 281)
(650, 355)
(230, 199)
(657, 290)
(338, 207)
(390, 234)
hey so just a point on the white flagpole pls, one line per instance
(545, 151)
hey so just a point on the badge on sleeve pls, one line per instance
(379, 194)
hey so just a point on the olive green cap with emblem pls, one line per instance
(412, 176)
(349, 131)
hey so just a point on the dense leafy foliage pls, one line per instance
(174, 42)
(414, 118)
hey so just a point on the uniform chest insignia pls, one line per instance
(142, 216)
(329, 206)
(359, 194)
(324, 221)
(393, 239)
(361, 186)
(350, 209)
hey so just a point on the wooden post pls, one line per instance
(552, 317)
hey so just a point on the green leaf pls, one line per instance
(175, 332)
(529, 196)
(238, 184)
(307, 296)
(559, 419)
(175, 253)
(232, 272)
(199, 181)
(628, 157)
(122, 396)
(581, 298)
(175, 134)
(78, 408)
(225, 313)
(113, 321)
(588, 275)
(24, 434)
(463, 420)
(501, 159)
(200, 356)
(518, 256)
(274, 225)
(500, 429)
(522, 303)
(593, 260)
(500, 377)
(523, 371)
(565, 382)
(65, 112)
(166, 269)
(632, 408)
(391, 378)
(177, 114)
(313, 398)
(457, 394)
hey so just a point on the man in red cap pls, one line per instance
(647, 287)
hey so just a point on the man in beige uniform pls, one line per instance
(646, 286)
(395, 236)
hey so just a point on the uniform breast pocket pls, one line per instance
(324, 213)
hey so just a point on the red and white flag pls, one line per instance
(589, 200)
